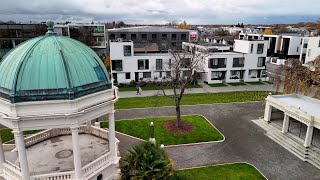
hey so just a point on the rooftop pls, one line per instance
(309, 105)
(147, 29)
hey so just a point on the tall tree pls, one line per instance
(183, 66)
(184, 25)
(299, 78)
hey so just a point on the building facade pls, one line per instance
(12, 35)
(312, 51)
(165, 38)
(93, 35)
(245, 63)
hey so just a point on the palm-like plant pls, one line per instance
(146, 161)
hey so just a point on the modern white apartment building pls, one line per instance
(246, 62)
(129, 62)
(312, 51)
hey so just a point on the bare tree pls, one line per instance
(298, 78)
(183, 67)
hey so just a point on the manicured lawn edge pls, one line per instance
(177, 145)
(185, 105)
(217, 85)
(193, 99)
(154, 88)
(225, 164)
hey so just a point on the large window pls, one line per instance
(251, 50)
(164, 36)
(158, 64)
(168, 74)
(143, 64)
(173, 36)
(260, 48)
(217, 75)
(261, 61)
(133, 36)
(127, 50)
(117, 65)
(238, 62)
(147, 75)
(217, 63)
(144, 36)
(128, 76)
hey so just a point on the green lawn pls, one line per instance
(237, 84)
(236, 171)
(202, 130)
(192, 99)
(217, 85)
(255, 83)
(6, 134)
(146, 88)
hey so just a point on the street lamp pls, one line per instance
(152, 139)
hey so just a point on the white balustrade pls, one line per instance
(96, 164)
(11, 171)
(54, 176)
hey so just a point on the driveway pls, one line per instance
(244, 142)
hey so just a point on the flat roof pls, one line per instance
(148, 29)
(309, 105)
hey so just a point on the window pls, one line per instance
(217, 63)
(300, 41)
(319, 44)
(123, 36)
(144, 36)
(306, 45)
(185, 63)
(100, 177)
(238, 62)
(158, 64)
(217, 75)
(164, 36)
(127, 50)
(143, 64)
(183, 36)
(173, 36)
(112, 36)
(154, 36)
(128, 76)
(309, 52)
(251, 50)
(168, 73)
(170, 64)
(147, 75)
(260, 48)
(117, 65)
(261, 61)
(297, 49)
(133, 36)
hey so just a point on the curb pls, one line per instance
(225, 164)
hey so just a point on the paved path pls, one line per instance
(244, 141)
(264, 87)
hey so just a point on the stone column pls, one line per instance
(2, 158)
(285, 125)
(267, 112)
(21, 147)
(76, 153)
(112, 135)
(308, 138)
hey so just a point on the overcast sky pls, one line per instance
(162, 11)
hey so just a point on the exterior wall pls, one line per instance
(294, 46)
(313, 49)
(130, 63)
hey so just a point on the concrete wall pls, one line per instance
(313, 49)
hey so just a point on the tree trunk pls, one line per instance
(178, 113)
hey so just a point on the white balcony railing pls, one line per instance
(11, 171)
(54, 176)
(91, 168)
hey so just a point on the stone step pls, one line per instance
(315, 163)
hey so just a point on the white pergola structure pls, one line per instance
(58, 118)
(302, 108)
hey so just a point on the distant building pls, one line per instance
(245, 63)
(12, 35)
(312, 50)
(227, 40)
(165, 38)
(93, 35)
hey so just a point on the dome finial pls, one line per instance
(50, 25)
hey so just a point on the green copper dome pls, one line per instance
(51, 67)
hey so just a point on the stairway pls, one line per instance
(310, 154)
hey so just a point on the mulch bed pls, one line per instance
(185, 127)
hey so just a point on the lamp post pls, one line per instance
(152, 139)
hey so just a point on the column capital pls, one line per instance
(74, 129)
(17, 132)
